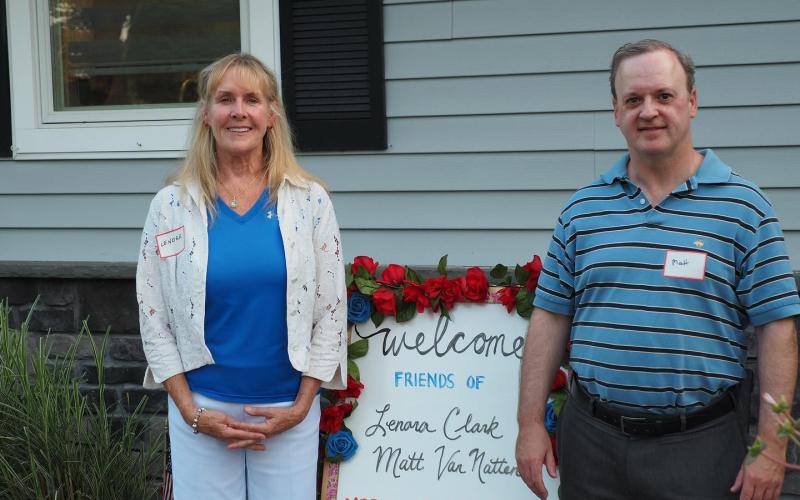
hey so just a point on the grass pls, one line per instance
(54, 443)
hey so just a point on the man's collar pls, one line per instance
(617, 171)
(712, 170)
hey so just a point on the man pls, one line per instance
(653, 273)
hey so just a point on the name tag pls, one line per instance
(686, 265)
(170, 243)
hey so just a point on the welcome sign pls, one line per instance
(437, 417)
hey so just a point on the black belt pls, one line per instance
(650, 425)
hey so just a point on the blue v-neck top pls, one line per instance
(245, 319)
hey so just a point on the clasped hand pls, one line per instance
(249, 435)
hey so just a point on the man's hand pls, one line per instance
(759, 480)
(544, 348)
(533, 450)
(777, 372)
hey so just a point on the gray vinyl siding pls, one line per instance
(498, 110)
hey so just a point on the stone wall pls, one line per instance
(104, 296)
(106, 305)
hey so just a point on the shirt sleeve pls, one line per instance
(766, 286)
(158, 340)
(328, 355)
(555, 291)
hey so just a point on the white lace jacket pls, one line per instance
(171, 283)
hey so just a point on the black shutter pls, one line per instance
(332, 73)
(5, 88)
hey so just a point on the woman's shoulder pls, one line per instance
(167, 191)
(173, 197)
(310, 187)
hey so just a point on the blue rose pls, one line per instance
(341, 446)
(359, 308)
(550, 418)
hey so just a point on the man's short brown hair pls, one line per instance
(643, 47)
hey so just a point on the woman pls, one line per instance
(241, 296)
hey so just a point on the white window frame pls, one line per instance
(40, 132)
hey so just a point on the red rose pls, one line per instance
(384, 301)
(476, 286)
(451, 292)
(414, 292)
(332, 417)
(534, 268)
(433, 286)
(353, 389)
(559, 381)
(366, 262)
(393, 274)
(508, 297)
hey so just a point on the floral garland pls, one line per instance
(402, 293)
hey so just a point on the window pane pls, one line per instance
(136, 52)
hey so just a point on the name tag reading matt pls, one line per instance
(171, 243)
(686, 265)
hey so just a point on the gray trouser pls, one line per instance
(596, 461)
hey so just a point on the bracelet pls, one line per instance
(196, 417)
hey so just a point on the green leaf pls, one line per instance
(442, 267)
(505, 281)
(412, 275)
(377, 317)
(755, 450)
(363, 273)
(366, 286)
(521, 275)
(523, 304)
(786, 429)
(522, 296)
(348, 277)
(498, 272)
(559, 397)
(326, 397)
(358, 349)
(781, 405)
(445, 312)
(352, 370)
(405, 311)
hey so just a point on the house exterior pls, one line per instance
(495, 111)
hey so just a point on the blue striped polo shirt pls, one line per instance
(644, 334)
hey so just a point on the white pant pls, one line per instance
(204, 468)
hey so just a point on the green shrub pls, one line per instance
(54, 443)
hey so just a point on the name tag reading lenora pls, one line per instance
(170, 243)
(686, 265)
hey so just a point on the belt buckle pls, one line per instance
(623, 419)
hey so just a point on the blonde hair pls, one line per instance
(200, 165)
